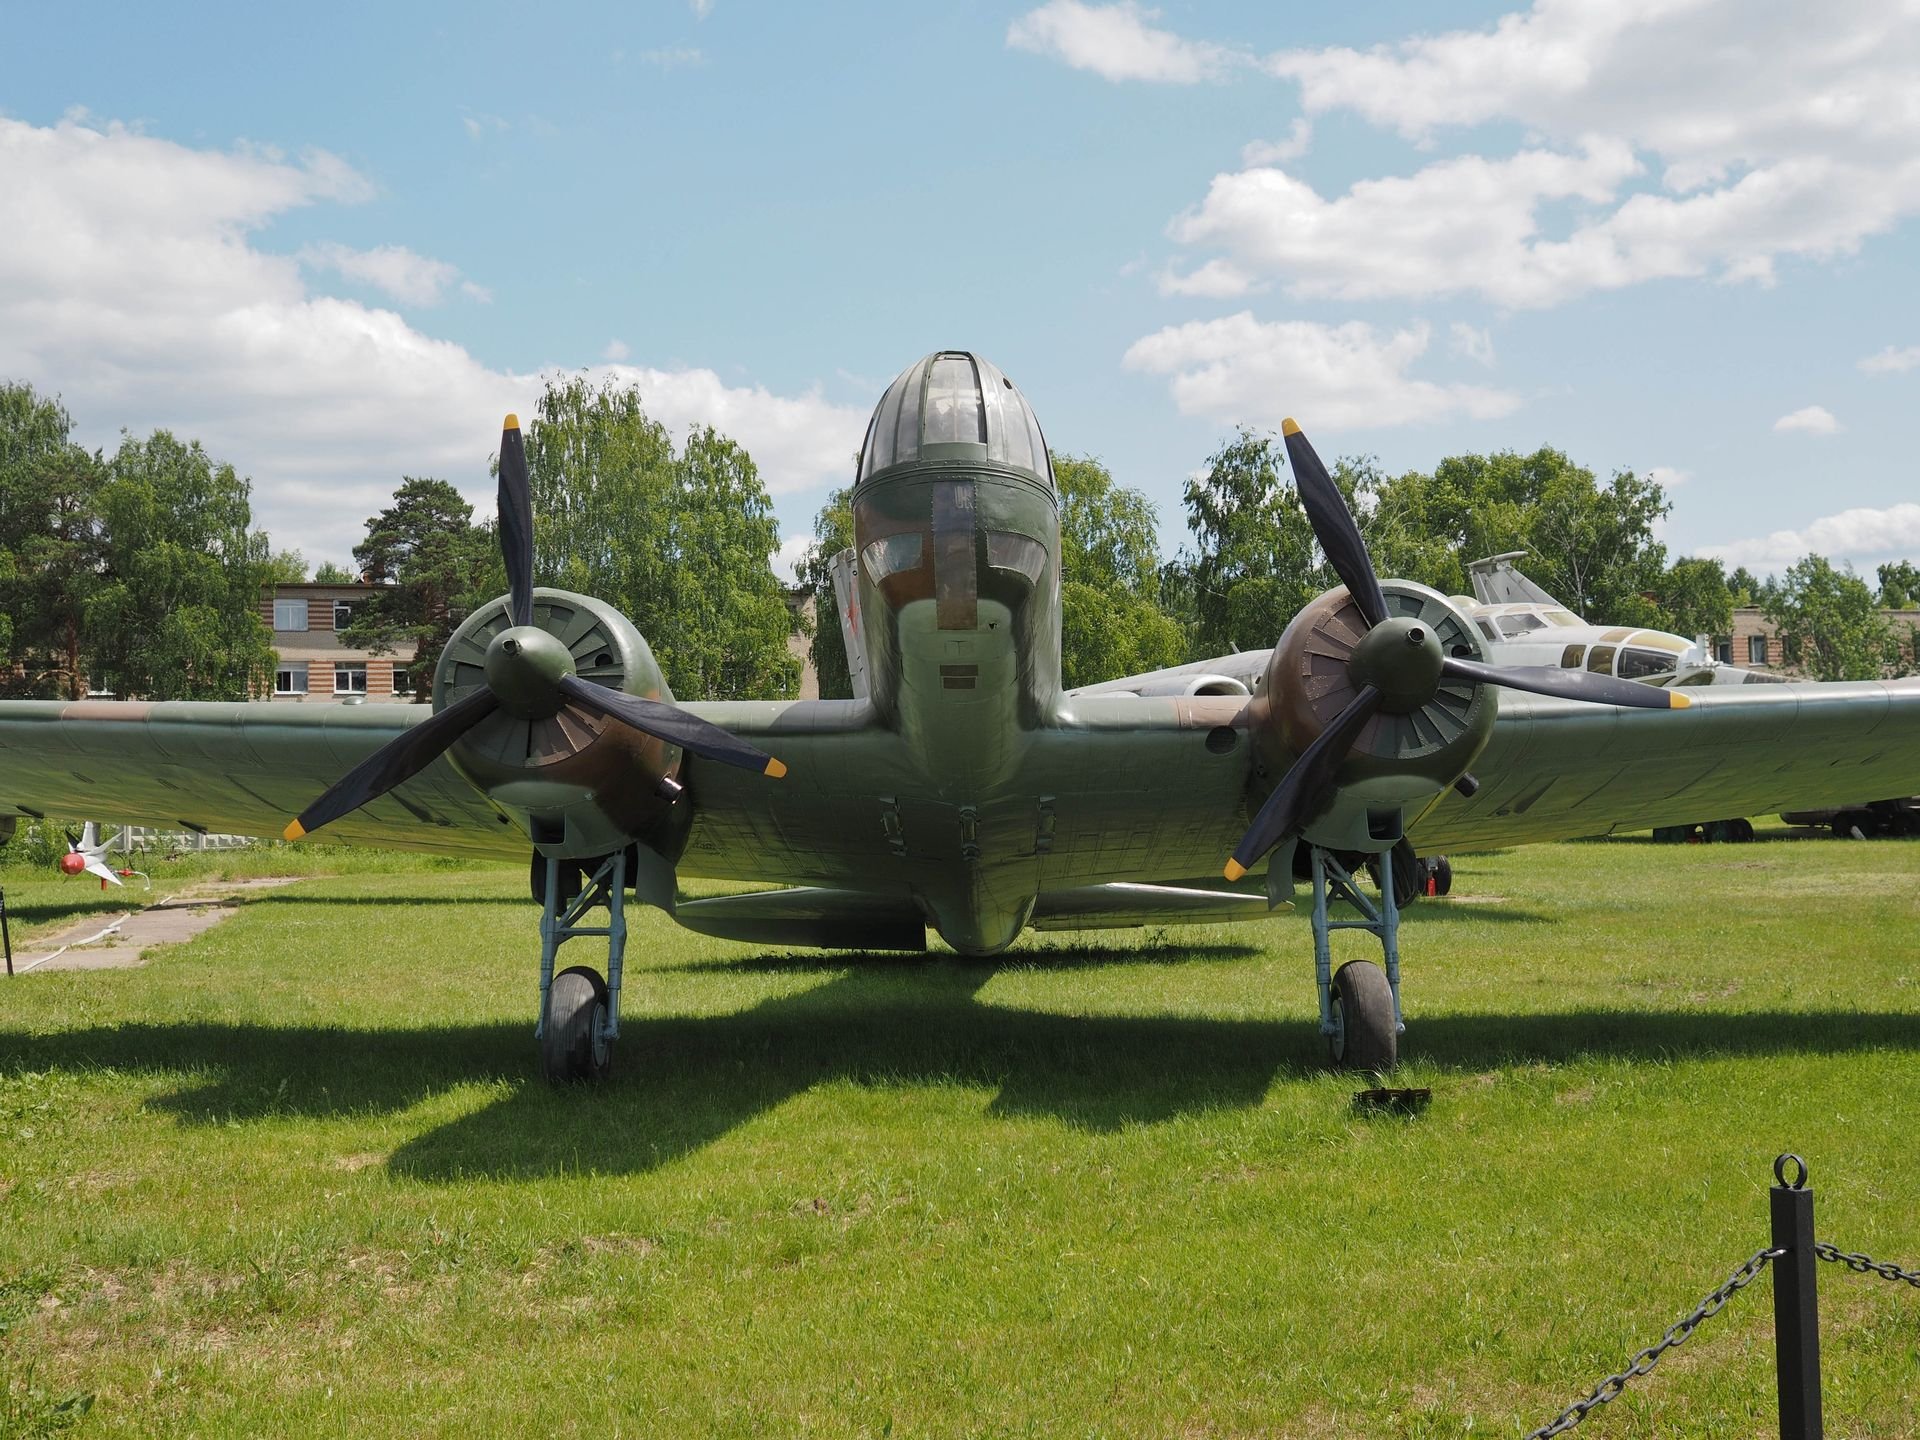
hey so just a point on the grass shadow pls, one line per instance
(684, 1082)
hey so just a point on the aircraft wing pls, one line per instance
(240, 769)
(1124, 789)
(1556, 770)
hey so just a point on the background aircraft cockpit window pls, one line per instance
(1571, 656)
(1600, 659)
(1022, 553)
(1486, 629)
(1514, 626)
(1638, 664)
(1563, 618)
(955, 415)
(891, 555)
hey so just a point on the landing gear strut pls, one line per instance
(580, 1011)
(1359, 1006)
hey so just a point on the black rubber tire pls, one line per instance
(1742, 831)
(1442, 875)
(571, 1046)
(1365, 1037)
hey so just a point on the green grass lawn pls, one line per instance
(300, 1176)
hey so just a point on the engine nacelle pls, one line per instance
(582, 786)
(1184, 687)
(1398, 759)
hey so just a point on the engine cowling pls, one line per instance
(1185, 687)
(584, 785)
(1404, 755)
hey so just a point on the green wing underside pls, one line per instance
(1122, 789)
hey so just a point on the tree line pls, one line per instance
(1250, 561)
(140, 572)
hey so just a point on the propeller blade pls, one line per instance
(516, 521)
(1333, 525)
(1293, 800)
(399, 759)
(1569, 684)
(669, 723)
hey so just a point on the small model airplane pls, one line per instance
(965, 791)
(87, 855)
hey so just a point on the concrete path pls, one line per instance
(118, 942)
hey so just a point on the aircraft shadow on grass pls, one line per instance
(683, 1083)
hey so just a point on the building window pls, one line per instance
(342, 614)
(289, 614)
(291, 678)
(1756, 649)
(402, 679)
(349, 679)
(1724, 652)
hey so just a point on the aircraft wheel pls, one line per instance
(573, 1042)
(1442, 875)
(1742, 831)
(1364, 1036)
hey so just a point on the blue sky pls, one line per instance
(1676, 235)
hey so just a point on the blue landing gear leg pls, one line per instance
(1359, 1006)
(580, 1010)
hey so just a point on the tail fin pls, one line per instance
(846, 597)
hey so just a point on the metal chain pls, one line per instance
(1609, 1389)
(1864, 1266)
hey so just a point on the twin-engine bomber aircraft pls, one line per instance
(965, 790)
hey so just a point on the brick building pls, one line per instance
(314, 666)
(1755, 642)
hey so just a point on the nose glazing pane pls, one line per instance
(954, 411)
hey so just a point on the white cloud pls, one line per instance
(393, 270)
(478, 126)
(616, 350)
(1215, 280)
(1890, 361)
(1865, 537)
(1812, 420)
(1465, 224)
(131, 286)
(1469, 343)
(1770, 132)
(1278, 152)
(701, 8)
(1245, 371)
(1669, 478)
(1117, 42)
(787, 558)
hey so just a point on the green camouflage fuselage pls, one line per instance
(959, 582)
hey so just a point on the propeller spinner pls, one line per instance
(529, 675)
(1396, 668)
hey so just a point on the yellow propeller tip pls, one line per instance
(1235, 870)
(775, 768)
(1678, 701)
(512, 422)
(1289, 426)
(293, 831)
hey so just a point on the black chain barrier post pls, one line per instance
(1796, 1317)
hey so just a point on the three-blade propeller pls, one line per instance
(529, 676)
(1308, 788)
